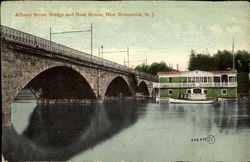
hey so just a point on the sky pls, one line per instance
(168, 34)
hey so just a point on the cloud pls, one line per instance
(238, 21)
(234, 30)
(215, 29)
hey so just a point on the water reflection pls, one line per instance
(225, 115)
(78, 132)
(20, 114)
(60, 131)
(232, 115)
(58, 125)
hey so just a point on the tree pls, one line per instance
(143, 68)
(154, 68)
(242, 61)
(192, 61)
(222, 60)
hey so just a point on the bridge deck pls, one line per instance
(41, 43)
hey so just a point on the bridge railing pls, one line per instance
(193, 85)
(38, 42)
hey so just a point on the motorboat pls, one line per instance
(192, 98)
(188, 101)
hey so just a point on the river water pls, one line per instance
(130, 130)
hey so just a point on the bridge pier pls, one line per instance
(6, 115)
(6, 120)
(78, 101)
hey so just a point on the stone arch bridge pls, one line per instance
(56, 73)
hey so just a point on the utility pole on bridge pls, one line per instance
(128, 56)
(233, 54)
(127, 51)
(67, 32)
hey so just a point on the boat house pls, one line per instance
(222, 84)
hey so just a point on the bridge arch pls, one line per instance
(60, 82)
(143, 88)
(118, 87)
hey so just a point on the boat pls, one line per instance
(188, 101)
(195, 97)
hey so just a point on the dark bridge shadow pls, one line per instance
(58, 125)
(143, 89)
(59, 132)
(60, 83)
(118, 88)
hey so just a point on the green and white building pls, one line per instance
(222, 84)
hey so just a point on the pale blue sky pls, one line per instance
(175, 29)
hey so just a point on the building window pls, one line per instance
(197, 90)
(170, 80)
(170, 92)
(205, 91)
(232, 79)
(192, 79)
(224, 91)
(205, 79)
(189, 91)
(216, 79)
(196, 79)
(224, 78)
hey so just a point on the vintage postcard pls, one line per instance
(125, 81)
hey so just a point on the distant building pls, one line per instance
(212, 83)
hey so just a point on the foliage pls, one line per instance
(243, 82)
(242, 61)
(222, 60)
(154, 68)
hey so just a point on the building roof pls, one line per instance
(180, 72)
(225, 71)
(171, 72)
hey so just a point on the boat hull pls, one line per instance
(182, 101)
